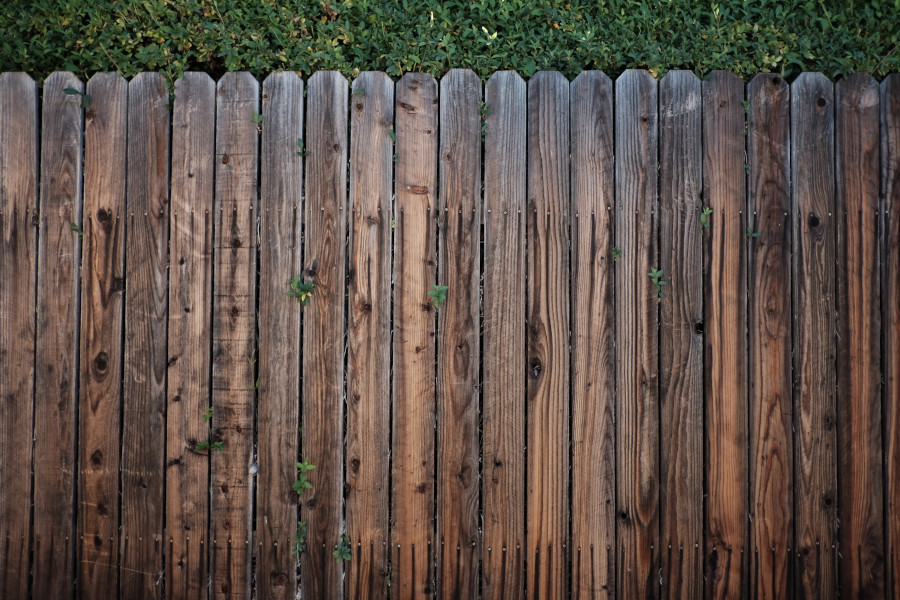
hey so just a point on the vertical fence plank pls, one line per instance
(234, 333)
(593, 337)
(412, 526)
(144, 400)
(547, 334)
(504, 336)
(102, 301)
(458, 343)
(815, 480)
(56, 361)
(857, 282)
(890, 304)
(681, 340)
(18, 218)
(190, 298)
(768, 236)
(637, 416)
(323, 330)
(368, 328)
(279, 335)
(725, 360)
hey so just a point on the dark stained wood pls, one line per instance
(815, 480)
(323, 331)
(681, 340)
(368, 327)
(190, 296)
(637, 320)
(278, 411)
(857, 281)
(503, 308)
(234, 335)
(102, 303)
(18, 221)
(141, 543)
(458, 343)
(56, 361)
(593, 337)
(725, 289)
(412, 457)
(769, 337)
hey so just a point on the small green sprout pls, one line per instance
(656, 276)
(704, 218)
(752, 234)
(74, 227)
(257, 120)
(300, 145)
(342, 550)
(438, 295)
(208, 415)
(299, 540)
(205, 446)
(301, 485)
(85, 99)
(301, 290)
(616, 253)
(393, 135)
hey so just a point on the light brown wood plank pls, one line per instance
(768, 237)
(368, 328)
(458, 343)
(503, 307)
(323, 330)
(857, 283)
(593, 337)
(59, 262)
(102, 303)
(412, 456)
(278, 411)
(815, 479)
(681, 340)
(18, 263)
(637, 321)
(146, 289)
(234, 335)
(190, 298)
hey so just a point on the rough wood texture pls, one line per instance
(323, 331)
(504, 337)
(547, 335)
(18, 221)
(815, 459)
(102, 302)
(368, 328)
(56, 360)
(234, 336)
(593, 338)
(458, 343)
(637, 416)
(857, 281)
(144, 400)
(190, 296)
(681, 340)
(768, 238)
(412, 525)
(725, 289)
(278, 412)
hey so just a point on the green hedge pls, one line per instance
(129, 36)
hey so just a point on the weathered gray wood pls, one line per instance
(503, 307)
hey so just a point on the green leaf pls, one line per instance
(438, 295)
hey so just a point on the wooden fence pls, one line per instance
(563, 424)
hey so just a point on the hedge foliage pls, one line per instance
(833, 36)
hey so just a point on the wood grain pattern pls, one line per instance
(593, 337)
(769, 337)
(18, 254)
(190, 297)
(637, 321)
(725, 288)
(56, 358)
(815, 458)
(857, 282)
(234, 333)
(323, 331)
(681, 340)
(412, 464)
(503, 307)
(146, 287)
(368, 326)
(102, 302)
(278, 411)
